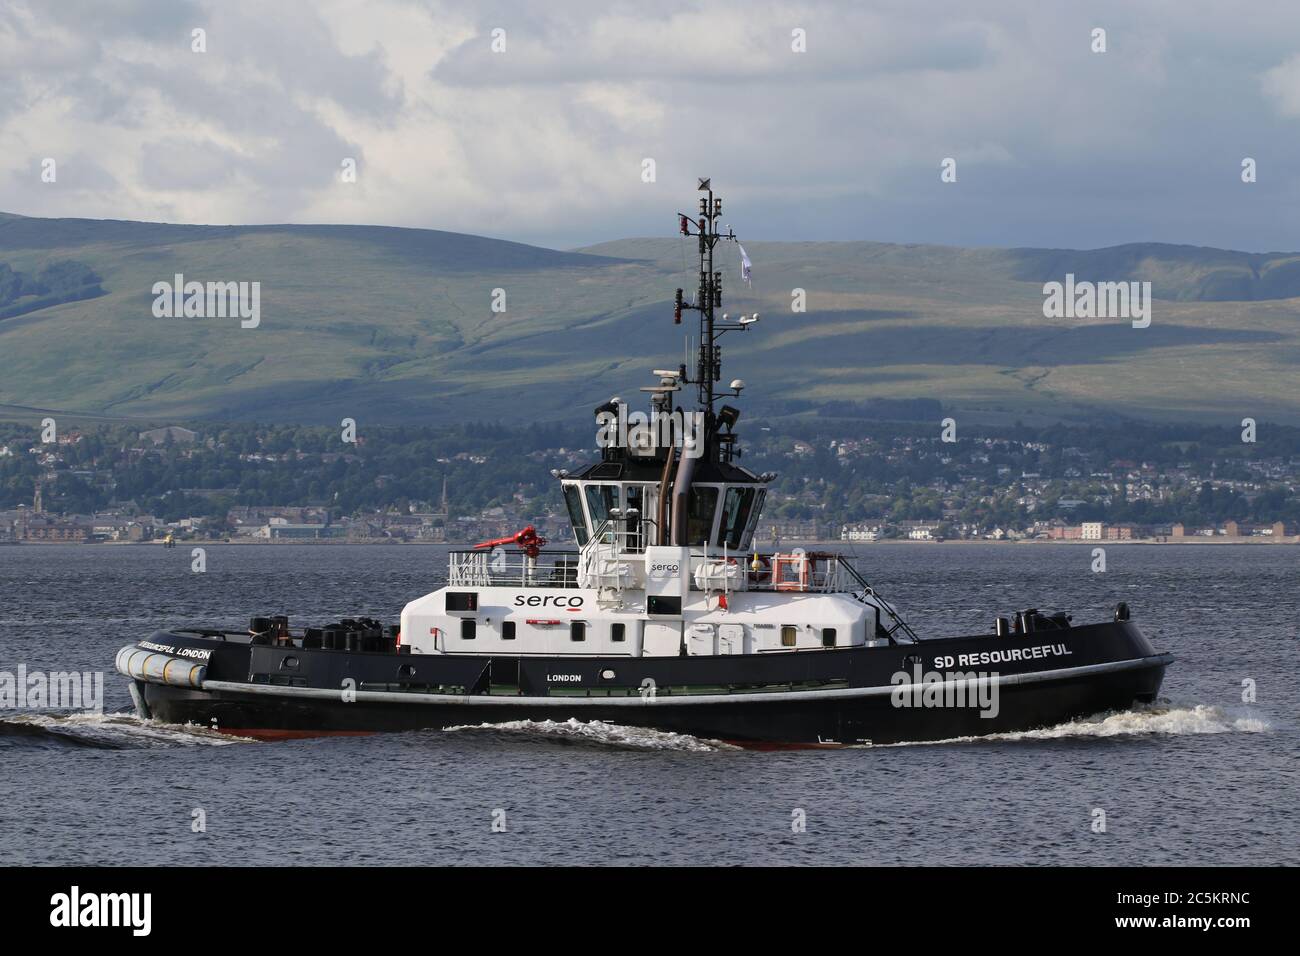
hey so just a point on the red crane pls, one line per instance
(528, 541)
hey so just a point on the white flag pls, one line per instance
(746, 267)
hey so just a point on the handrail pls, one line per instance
(543, 551)
(867, 589)
(485, 569)
(470, 568)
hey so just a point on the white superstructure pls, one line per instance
(612, 597)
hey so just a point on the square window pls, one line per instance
(462, 600)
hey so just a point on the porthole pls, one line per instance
(607, 674)
(288, 663)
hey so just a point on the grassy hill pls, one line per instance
(389, 325)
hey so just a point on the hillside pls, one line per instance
(390, 325)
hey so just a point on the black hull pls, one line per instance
(748, 720)
(831, 697)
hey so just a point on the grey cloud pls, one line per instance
(298, 49)
(77, 173)
(1055, 145)
(179, 164)
(141, 19)
(753, 46)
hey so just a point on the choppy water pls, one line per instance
(1199, 778)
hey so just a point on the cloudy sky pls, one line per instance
(545, 141)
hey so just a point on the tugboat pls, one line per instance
(663, 613)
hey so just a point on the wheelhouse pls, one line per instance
(719, 513)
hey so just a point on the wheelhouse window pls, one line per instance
(633, 498)
(700, 505)
(736, 509)
(573, 500)
(789, 633)
(754, 514)
(600, 500)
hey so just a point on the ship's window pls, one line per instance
(788, 634)
(633, 498)
(662, 604)
(618, 632)
(462, 600)
(600, 499)
(828, 637)
(577, 630)
(754, 514)
(468, 628)
(507, 630)
(735, 517)
(288, 663)
(701, 504)
(573, 499)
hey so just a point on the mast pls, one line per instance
(708, 296)
(708, 299)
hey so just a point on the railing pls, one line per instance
(820, 572)
(812, 571)
(612, 560)
(626, 537)
(501, 568)
(827, 572)
(898, 624)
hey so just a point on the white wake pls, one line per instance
(1145, 721)
(112, 731)
(597, 733)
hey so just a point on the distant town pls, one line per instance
(839, 480)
